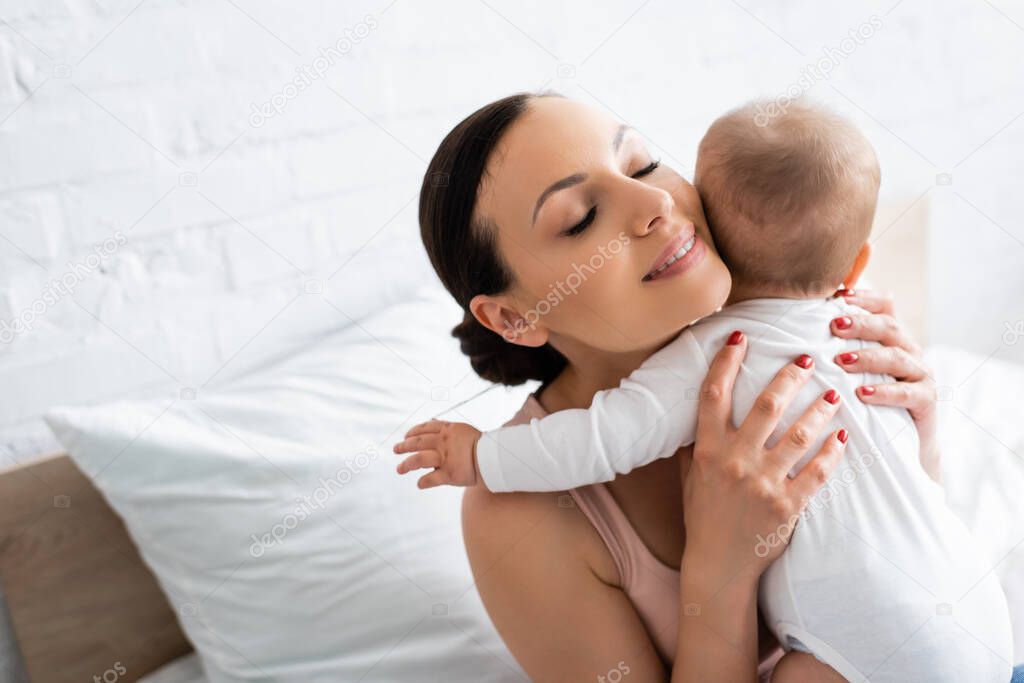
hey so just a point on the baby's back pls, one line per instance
(880, 580)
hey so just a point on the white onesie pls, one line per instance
(881, 580)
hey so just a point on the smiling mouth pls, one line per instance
(683, 250)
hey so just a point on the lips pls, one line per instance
(674, 252)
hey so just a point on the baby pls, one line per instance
(880, 580)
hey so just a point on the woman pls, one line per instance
(652, 575)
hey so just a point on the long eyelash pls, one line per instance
(649, 168)
(592, 214)
(583, 224)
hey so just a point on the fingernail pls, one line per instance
(842, 436)
(832, 396)
(804, 361)
(867, 391)
(735, 338)
(848, 292)
(843, 322)
(847, 358)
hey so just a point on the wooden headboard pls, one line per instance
(80, 598)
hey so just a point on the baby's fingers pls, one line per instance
(420, 461)
(418, 443)
(435, 478)
(428, 427)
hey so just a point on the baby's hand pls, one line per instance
(448, 447)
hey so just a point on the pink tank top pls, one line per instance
(650, 584)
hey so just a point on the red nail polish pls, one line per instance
(804, 361)
(848, 292)
(867, 391)
(832, 396)
(847, 358)
(842, 436)
(843, 322)
(735, 338)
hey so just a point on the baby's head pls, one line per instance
(790, 202)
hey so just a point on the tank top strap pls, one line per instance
(600, 508)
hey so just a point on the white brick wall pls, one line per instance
(109, 111)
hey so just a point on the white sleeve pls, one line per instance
(650, 415)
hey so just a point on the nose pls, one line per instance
(652, 210)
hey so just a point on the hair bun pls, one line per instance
(498, 360)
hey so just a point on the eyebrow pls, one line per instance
(575, 178)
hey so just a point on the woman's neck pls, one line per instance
(588, 372)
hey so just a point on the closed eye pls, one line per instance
(592, 214)
(648, 169)
(583, 224)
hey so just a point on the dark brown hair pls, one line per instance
(463, 249)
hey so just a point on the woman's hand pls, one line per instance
(739, 505)
(899, 357)
(739, 510)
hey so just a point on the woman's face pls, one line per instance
(590, 226)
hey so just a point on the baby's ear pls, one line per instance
(859, 264)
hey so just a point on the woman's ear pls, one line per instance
(859, 264)
(495, 313)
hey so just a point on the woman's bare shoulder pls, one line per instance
(538, 526)
(535, 565)
(492, 517)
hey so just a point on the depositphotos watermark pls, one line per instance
(818, 70)
(111, 675)
(305, 506)
(822, 498)
(615, 674)
(562, 289)
(60, 287)
(314, 71)
(1013, 332)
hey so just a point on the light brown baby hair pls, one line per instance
(790, 199)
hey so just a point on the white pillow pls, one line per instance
(272, 516)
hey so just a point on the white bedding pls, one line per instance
(984, 470)
(271, 514)
(982, 431)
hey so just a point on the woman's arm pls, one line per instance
(740, 509)
(899, 357)
(717, 625)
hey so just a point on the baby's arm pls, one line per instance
(648, 416)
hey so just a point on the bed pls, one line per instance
(117, 562)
